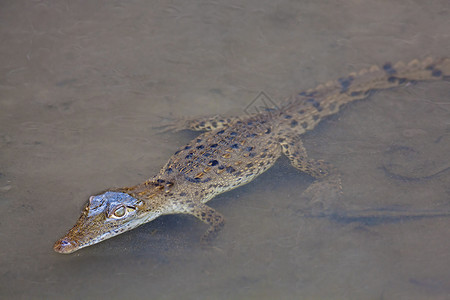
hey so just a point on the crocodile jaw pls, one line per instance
(78, 237)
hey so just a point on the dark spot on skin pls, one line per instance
(369, 92)
(203, 214)
(196, 179)
(169, 170)
(430, 67)
(345, 83)
(252, 154)
(305, 125)
(249, 123)
(213, 145)
(387, 67)
(268, 131)
(316, 117)
(199, 140)
(187, 147)
(189, 156)
(332, 106)
(234, 133)
(311, 94)
(314, 103)
(294, 123)
(287, 116)
(230, 169)
(206, 154)
(182, 194)
(235, 146)
(221, 167)
(160, 181)
(436, 73)
(249, 165)
(177, 152)
(213, 123)
(301, 111)
(402, 80)
(251, 135)
(354, 94)
(202, 123)
(263, 155)
(220, 132)
(248, 148)
(392, 79)
(200, 147)
(269, 109)
(213, 162)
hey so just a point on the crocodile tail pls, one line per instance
(311, 106)
(359, 85)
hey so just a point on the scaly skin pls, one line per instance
(233, 152)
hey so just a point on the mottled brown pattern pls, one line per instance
(234, 151)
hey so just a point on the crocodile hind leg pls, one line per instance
(324, 193)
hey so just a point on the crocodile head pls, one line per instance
(105, 216)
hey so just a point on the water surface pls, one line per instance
(84, 84)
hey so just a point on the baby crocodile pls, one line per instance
(233, 151)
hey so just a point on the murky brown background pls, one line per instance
(83, 84)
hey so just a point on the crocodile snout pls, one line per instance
(65, 246)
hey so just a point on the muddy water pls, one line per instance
(83, 85)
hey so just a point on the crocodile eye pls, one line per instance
(120, 212)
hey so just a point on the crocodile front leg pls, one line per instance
(209, 216)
